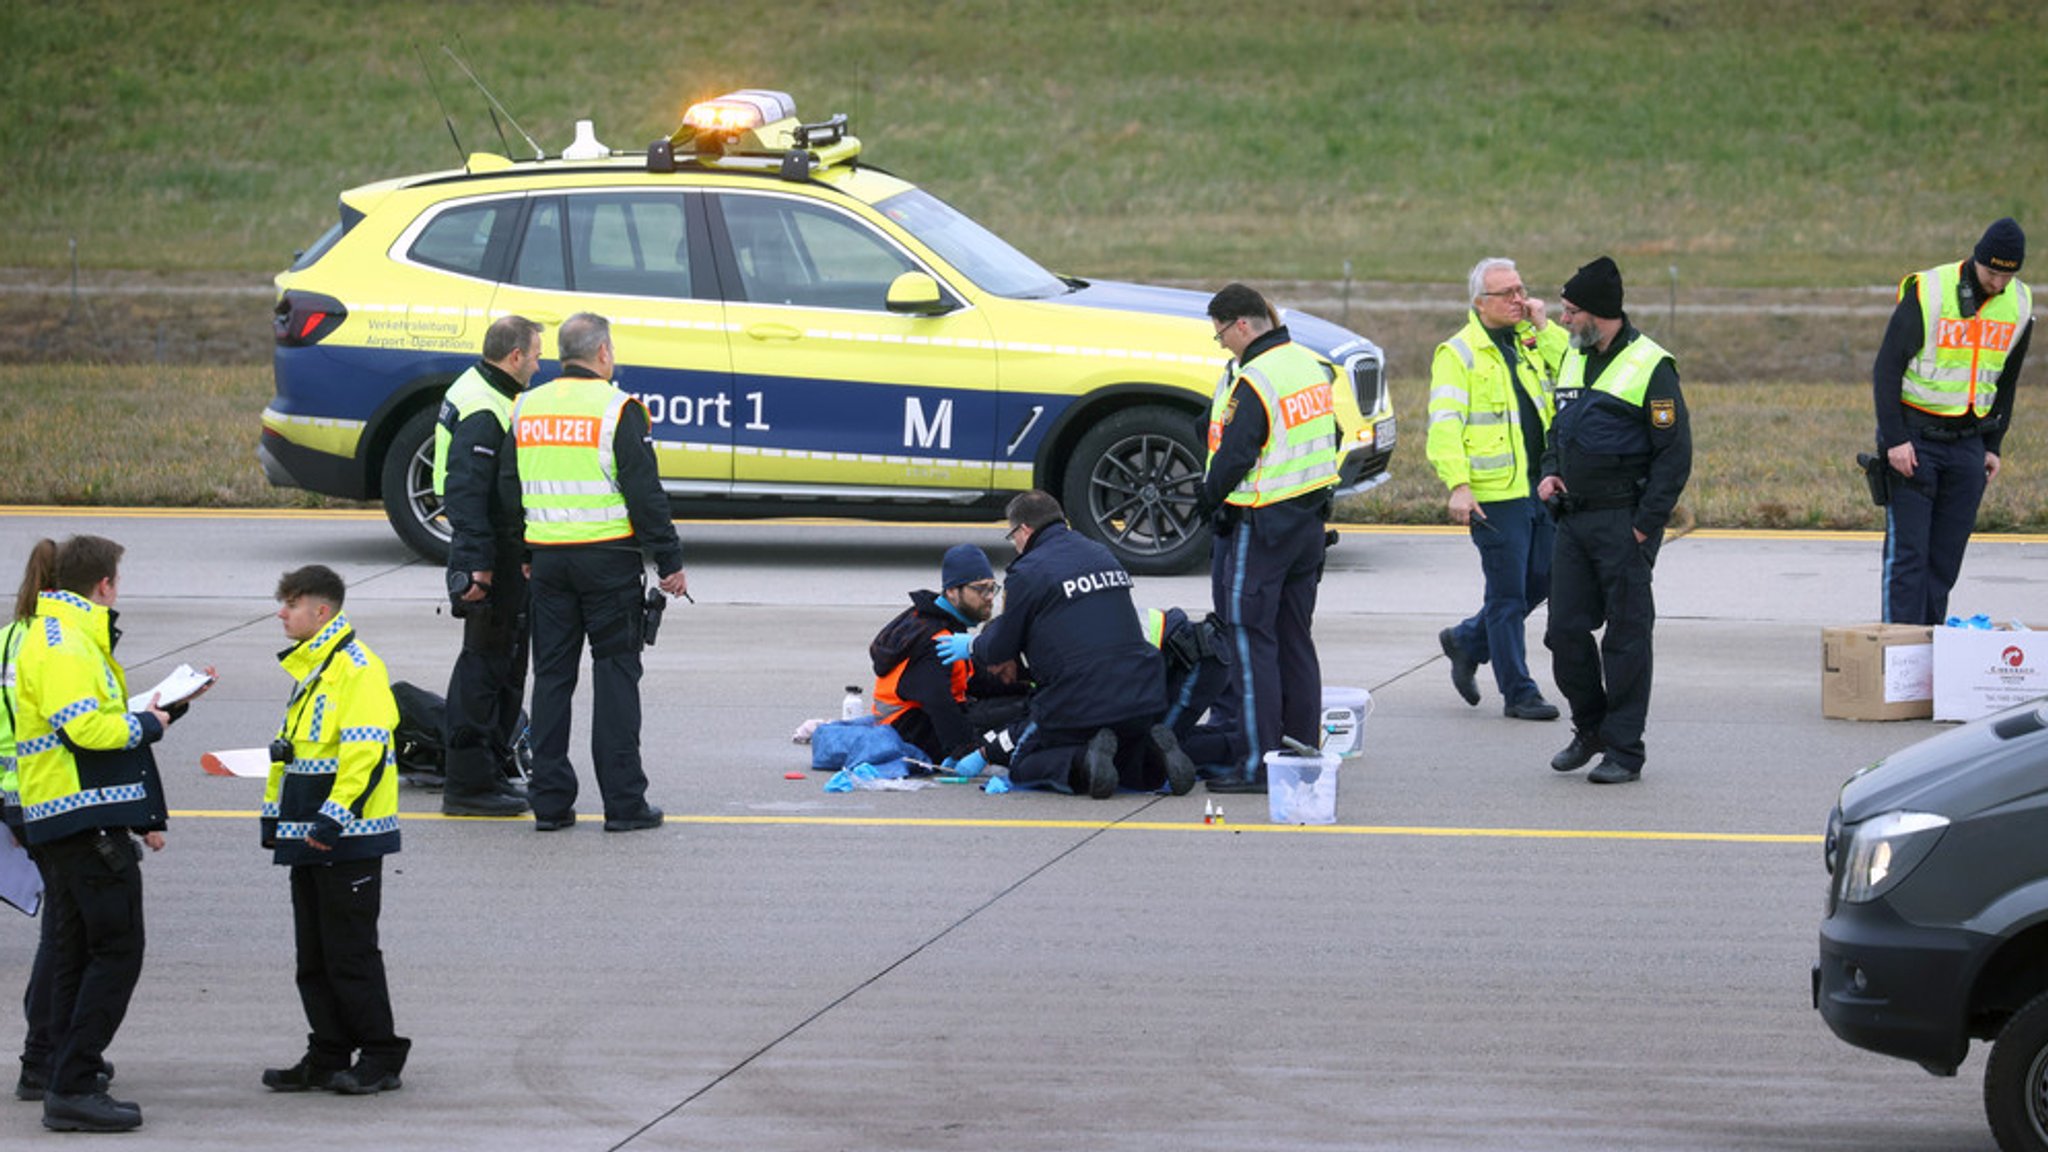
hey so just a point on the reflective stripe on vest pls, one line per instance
(1957, 368)
(470, 394)
(1627, 378)
(568, 478)
(1300, 453)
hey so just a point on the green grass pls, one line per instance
(1747, 142)
(1766, 455)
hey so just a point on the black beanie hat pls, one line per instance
(2003, 248)
(1596, 288)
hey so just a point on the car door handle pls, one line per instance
(774, 332)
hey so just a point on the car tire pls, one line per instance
(2016, 1080)
(1132, 483)
(408, 487)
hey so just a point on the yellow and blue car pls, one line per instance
(811, 335)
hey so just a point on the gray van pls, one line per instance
(1936, 930)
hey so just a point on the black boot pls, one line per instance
(89, 1112)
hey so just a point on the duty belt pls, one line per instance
(1943, 432)
(1568, 503)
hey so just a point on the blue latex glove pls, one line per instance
(972, 764)
(953, 647)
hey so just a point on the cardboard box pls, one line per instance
(1877, 672)
(1978, 671)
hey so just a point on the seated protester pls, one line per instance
(948, 712)
(1099, 690)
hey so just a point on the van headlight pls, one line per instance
(1884, 849)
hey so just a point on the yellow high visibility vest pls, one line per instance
(1956, 371)
(470, 394)
(1300, 453)
(1475, 424)
(568, 478)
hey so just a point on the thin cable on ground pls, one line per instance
(872, 978)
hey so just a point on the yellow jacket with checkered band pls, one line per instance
(341, 784)
(71, 701)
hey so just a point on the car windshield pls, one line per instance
(978, 253)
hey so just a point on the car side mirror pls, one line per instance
(917, 294)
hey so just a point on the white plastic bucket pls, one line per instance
(1344, 713)
(1301, 789)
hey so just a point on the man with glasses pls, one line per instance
(1491, 393)
(1272, 470)
(1619, 453)
(1098, 687)
(959, 714)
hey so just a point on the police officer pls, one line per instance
(485, 581)
(582, 474)
(1272, 469)
(1098, 687)
(1491, 393)
(1943, 385)
(88, 786)
(1619, 453)
(330, 814)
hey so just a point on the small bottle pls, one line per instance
(853, 707)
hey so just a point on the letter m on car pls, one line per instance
(919, 432)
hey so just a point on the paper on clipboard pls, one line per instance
(183, 683)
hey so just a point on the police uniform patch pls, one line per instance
(1663, 413)
(1229, 411)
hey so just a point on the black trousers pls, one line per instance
(94, 902)
(587, 593)
(340, 968)
(1927, 527)
(1601, 577)
(487, 687)
(1264, 576)
(1049, 757)
(38, 999)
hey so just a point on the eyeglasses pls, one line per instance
(985, 587)
(1571, 312)
(1518, 292)
(1011, 535)
(1226, 326)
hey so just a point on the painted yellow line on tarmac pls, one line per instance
(1147, 826)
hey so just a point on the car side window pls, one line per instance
(790, 252)
(459, 240)
(629, 244)
(540, 250)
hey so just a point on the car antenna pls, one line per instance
(460, 155)
(538, 154)
(497, 125)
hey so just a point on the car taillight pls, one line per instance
(304, 318)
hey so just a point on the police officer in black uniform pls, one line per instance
(1099, 686)
(486, 580)
(1619, 453)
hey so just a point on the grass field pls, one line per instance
(1768, 455)
(1742, 141)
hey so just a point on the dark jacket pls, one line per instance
(1607, 449)
(1903, 336)
(1068, 614)
(934, 720)
(484, 532)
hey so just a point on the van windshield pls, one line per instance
(978, 254)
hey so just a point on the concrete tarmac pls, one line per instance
(1480, 954)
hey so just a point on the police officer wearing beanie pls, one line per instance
(1099, 688)
(581, 472)
(485, 580)
(1271, 474)
(1618, 455)
(949, 712)
(1943, 387)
